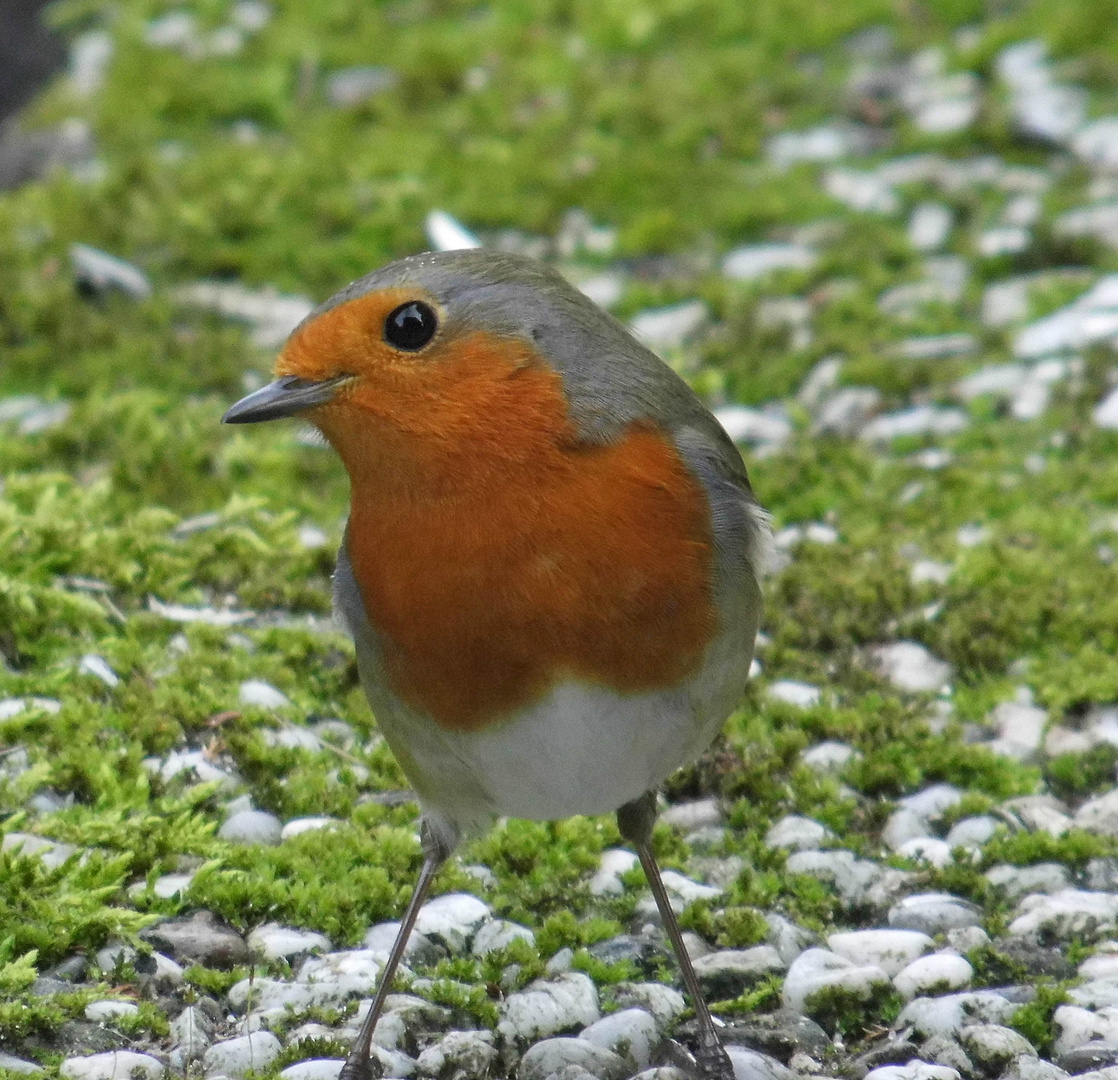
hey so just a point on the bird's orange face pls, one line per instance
(407, 390)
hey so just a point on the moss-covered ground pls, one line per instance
(651, 116)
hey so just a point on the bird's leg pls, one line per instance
(358, 1065)
(635, 821)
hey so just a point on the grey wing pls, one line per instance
(742, 536)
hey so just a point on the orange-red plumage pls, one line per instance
(495, 550)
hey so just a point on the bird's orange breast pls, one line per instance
(496, 552)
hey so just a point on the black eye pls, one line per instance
(410, 326)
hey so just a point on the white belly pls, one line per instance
(580, 749)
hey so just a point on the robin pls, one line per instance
(550, 568)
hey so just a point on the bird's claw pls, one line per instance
(713, 1061)
(361, 1067)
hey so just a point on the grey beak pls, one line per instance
(284, 397)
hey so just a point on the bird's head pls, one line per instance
(436, 354)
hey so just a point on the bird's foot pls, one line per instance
(713, 1061)
(361, 1066)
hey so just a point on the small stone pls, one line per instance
(99, 272)
(356, 85)
(1040, 813)
(1105, 414)
(546, 1058)
(275, 942)
(1018, 881)
(165, 887)
(927, 849)
(669, 327)
(757, 261)
(1020, 730)
(992, 1047)
(313, 1069)
(1098, 994)
(298, 826)
(262, 695)
(688, 816)
(965, 938)
(612, 863)
(113, 1065)
(1079, 1026)
(802, 695)
(934, 913)
(665, 1003)
(113, 955)
(547, 1007)
(928, 571)
(728, 972)
(99, 668)
(909, 666)
(818, 969)
(292, 737)
(972, 832)
(786, 937)
(452, 920)
(630, 1033)
(1100, 815)
(937, 347)
(947, 1015)
(106, 1011)
(918, 420)
(270, 315)
(1027, 1067)
(914, 1070)
(828, 142)
(236, 1057)
(940, 1050)
(847, 411)
(929, 226)
(252, 827)
(499, 934)
(938, 972)
(1103, 965)
(903, 825)
(1066, 914)
(251, 15)
(192, 1035)
(1097, 143)
(863, 192)
(852, 878)
(201, 939)
(890, 950)
(828, 758)
(51, 853)
(459, 1054)
(796, 834)
(338, 975)
(446, 233)
(751, 1065)
(754, 426)
(1089, 1057)
(12, 1064)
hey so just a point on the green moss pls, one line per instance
(853, 1014)
(1076, 776)
(1034, 1020)
(1074, 849)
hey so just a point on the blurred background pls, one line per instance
(879, 237)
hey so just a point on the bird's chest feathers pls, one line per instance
(591, 562)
